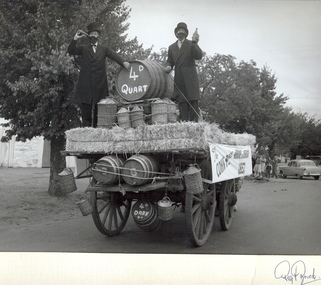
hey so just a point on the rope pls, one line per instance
(122, 168)
(141, 171)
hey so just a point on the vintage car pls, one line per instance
(315, 158)
(300, 168)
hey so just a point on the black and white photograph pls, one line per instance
(168, 142)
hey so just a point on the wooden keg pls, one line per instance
(146, 80)
(107, 169)
(145, 215)
(139, 169)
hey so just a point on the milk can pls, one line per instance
(85, 206)
(67, 181)
(165, 209)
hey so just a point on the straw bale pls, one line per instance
(119, 146)
(89, 147)
(130, 134)
(154, 132)
(132, 146)
(171, 131)
(118, 134)
(160, 137)
(140, 132)
(89, 134)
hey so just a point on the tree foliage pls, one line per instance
(38, 76)
(240, 97)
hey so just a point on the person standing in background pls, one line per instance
(92, 84)
(263, 163)
(275, 161)
(257, 167)
(268, 169)
(182, 54)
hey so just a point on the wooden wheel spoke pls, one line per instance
(205, 223)
(125, 204)
(110, 218)
(201, 228)
(120, 213)
(197, 199)
(196, 219)
(115, 217)
(103, 197)
(226, 195)
(210, 193)
(195, 208)
(103, 220)
(227, 213)
(207, 217)
(104, 206)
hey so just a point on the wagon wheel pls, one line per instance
(227, 201)
(200, 210)
(110, 212)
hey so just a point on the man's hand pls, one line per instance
(168, 69)
(127, 65)
(196, 37)
(80, 34)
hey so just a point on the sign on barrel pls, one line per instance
(145, 80)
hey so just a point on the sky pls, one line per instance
(285, 36)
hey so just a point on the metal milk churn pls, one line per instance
(165, 209)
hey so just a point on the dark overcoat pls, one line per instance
(186, 78)
(92, 84)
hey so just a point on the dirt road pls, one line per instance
(276, 220)
(279, 216)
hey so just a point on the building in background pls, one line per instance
(32, 153)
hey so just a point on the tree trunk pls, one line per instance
(272, 148)
(57, 164)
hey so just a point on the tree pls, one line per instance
(309, 141)
(240, 97)
(38, 76)
(227, 91)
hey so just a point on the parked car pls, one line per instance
(300, 168)
(316, 159)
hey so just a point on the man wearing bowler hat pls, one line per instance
(92, 84)
(182, 54)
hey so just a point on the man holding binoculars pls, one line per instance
(92, 84)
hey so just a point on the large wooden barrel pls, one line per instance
(107, 169)
(139, 169)
(146, 80)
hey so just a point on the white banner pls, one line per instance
(230, 161)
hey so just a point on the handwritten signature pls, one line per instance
(296, 272)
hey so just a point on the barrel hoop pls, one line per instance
(112, 164)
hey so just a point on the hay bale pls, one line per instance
(179, 135)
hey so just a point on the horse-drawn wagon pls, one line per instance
(145, 170)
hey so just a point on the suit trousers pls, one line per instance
(189, 111)
(89, 115)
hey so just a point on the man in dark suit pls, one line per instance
(92, 84)
(182, 54)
